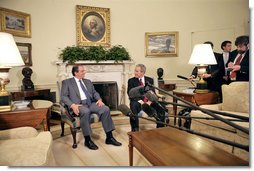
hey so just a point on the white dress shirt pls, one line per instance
(81, 92)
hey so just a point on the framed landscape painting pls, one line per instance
(15, 22)
(161, 44)
(93, 26)
(25, 50)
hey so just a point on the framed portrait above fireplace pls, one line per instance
(93, 26)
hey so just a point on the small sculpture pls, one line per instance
(160, 73)
(27, 82)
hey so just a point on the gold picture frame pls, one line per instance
(25, 50)
(93, 26)
(15, 22)
(161, 44)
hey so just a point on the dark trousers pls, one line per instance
(135, 108)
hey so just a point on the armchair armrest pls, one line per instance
(160, 96)
(63, 111)
(18, 133)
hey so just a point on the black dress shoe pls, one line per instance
(90, 144)
(113, 141)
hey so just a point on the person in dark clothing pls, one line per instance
(214, 73)
(238, 63)
(225, 55)
(139, 79)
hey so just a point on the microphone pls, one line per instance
(185, 78)
(136, 92)
(182, 77)
(126, 110)
(151, 96)
(147, 86)
(151, 112)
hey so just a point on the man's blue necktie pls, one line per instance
(88, 97)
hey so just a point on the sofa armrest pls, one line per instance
(18, 133)
(217, 107)
(33, 151)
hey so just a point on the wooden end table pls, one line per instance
(43, 94)
(195, 98)
(37, 112)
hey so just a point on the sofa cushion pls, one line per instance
(17, 133)
(236, 97)
(217, 123)
(33, 151)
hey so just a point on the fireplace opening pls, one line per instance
(109, 93)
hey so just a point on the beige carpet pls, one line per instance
(106, 155)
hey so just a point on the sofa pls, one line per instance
(235, 101)
(24, 146)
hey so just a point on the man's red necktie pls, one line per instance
(237, 62)
(142, 84)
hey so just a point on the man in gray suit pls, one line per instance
(80, 96)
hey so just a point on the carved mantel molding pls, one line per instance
(101, 71)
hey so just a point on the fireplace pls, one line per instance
(109, 93)
(104, 73)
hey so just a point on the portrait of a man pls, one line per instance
(93, 27)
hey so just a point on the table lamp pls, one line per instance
(9, 57)
(202, 56)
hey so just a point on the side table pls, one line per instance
(195, 98)
(35, 113)
(42, 94)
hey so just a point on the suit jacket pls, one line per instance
(243, 73)
(226, 62)
(134, 82)
(70, 92)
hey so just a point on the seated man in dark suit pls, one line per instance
(238, 63)
(135, 103)
(80, 96)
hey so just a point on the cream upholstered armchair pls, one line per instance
(235, 101)
(24, 146)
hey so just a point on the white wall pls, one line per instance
(53, 28)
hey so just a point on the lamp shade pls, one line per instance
(9, 52)
(202, 54)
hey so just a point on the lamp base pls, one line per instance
(201, 87)
(200, 91)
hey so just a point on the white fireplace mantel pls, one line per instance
(101, 71)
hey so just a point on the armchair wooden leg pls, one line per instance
(62, 127)
(73, 133)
